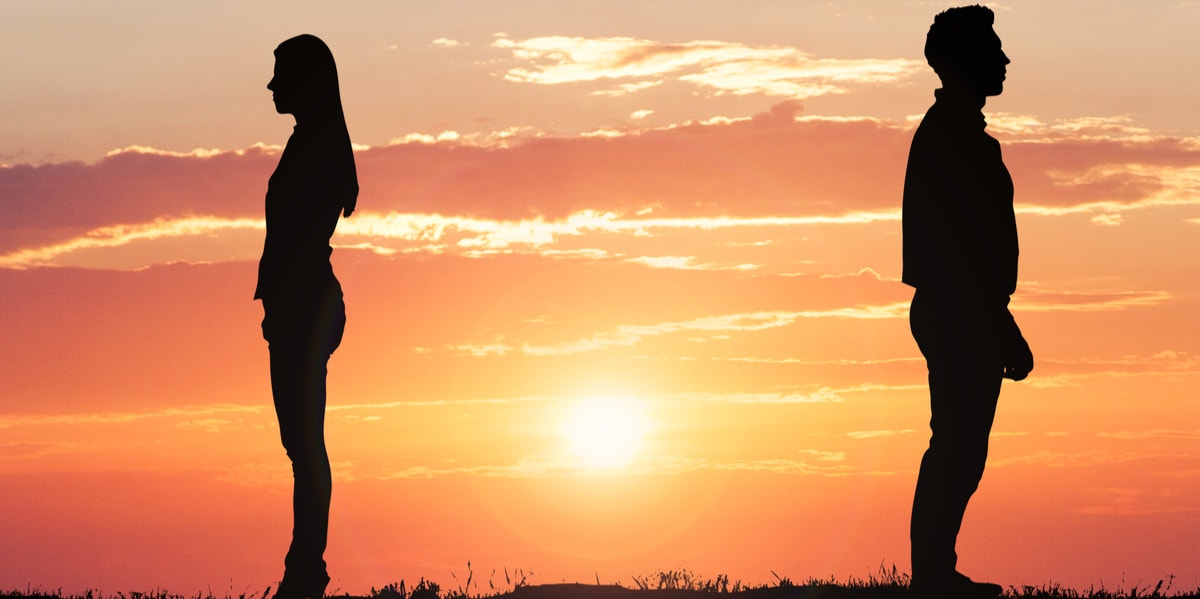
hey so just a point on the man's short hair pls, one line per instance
(954, 34)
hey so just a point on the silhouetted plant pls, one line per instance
(887, 583)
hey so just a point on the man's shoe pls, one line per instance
(964, 586)
(956, 586)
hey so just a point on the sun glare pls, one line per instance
(606, 432)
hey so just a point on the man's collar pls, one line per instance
(967, 106)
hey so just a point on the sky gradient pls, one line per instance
(622, 292)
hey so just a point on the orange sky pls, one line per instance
(678, 218)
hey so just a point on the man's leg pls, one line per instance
(963, 394)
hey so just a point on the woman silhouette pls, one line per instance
(305, 316)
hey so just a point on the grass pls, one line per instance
(665, 584)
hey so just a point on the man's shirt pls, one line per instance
(960, 233)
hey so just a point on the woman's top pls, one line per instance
(312, 185)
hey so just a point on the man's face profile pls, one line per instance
(980, 63)
(989, 69)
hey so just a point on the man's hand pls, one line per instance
(1019, 359)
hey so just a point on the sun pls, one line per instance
(606, 432)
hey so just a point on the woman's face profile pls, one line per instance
(284, 89)
(304, 82)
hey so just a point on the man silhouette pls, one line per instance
(960, 253)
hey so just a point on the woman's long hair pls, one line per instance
(306, 61)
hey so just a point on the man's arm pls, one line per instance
(1018, 358)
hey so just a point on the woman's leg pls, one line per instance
(298, 386)
(299, 355)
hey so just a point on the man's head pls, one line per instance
(964, 50)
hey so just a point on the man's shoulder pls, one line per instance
(937, 122)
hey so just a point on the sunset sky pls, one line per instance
(622, 290)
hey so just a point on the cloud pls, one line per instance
(866, 271)
(1079, 372)
(1108, 220)
(687, 263)
(1030, 298)
(626, 88)
(211, 425)
(878, 433)
(834, 362)
(22, 450)
(1023, 127)
(480, 350)
(392, 233)
(128, 191)
(13, 421)
(387, 405)
(720, 67)
(822, 395)
(631, 335)
(1134, 502)
(1104, 175)
(1079, 459)
(825, 456)
(515, 191)
(829, 464)
(1158, 433)
(716, 170)
(120, 235)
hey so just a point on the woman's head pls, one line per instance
(305, 83)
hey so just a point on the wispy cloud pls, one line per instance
(830, 362)
(688, 263)
(824, 463)
(1078, 372)
(196, 414)
(22, 450)
(862, 272)
(1034, 299)
(212, 425)
(516, 192)
(1158, 433)
(822, 395)
(1024, 127)
(721, 67)
(1135, 502)
(879, 433)
(629, 335)
(120, 235)
(392, 233)
(473, 232)
(1060, 459)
